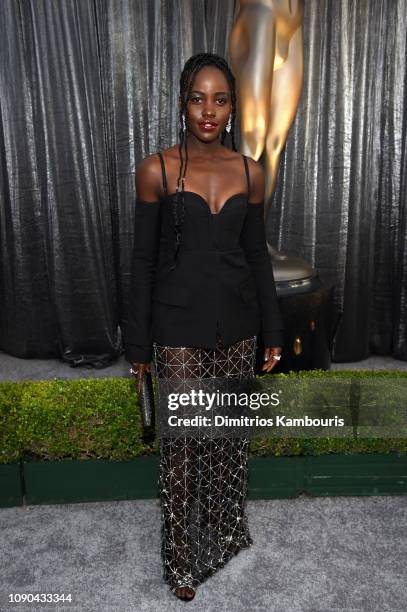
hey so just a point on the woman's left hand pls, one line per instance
(268, 357)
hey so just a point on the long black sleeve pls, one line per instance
(137, 333)
(253, 239)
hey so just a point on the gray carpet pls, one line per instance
(13, 368)
(309, 554)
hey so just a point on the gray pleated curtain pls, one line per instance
(89, 87)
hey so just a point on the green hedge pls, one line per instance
(100, 419)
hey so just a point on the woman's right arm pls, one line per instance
(137, 332)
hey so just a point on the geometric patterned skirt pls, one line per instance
(202, 481)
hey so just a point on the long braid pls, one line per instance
(191, 68)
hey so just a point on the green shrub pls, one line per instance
(100, 419)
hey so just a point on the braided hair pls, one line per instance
(191, 68)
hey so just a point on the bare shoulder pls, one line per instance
(148, 178)
(257, 180)
(171, 153)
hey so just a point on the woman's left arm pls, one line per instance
(254, 243)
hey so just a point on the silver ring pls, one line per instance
(133, 371)
(276, 357)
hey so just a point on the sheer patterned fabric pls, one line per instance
(202, 481)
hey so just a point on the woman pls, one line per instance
(202, 289)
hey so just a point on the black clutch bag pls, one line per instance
(146, 399)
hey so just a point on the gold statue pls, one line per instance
(266, 56)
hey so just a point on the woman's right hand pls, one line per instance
(140, 368)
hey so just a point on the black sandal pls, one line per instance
(185, 597)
